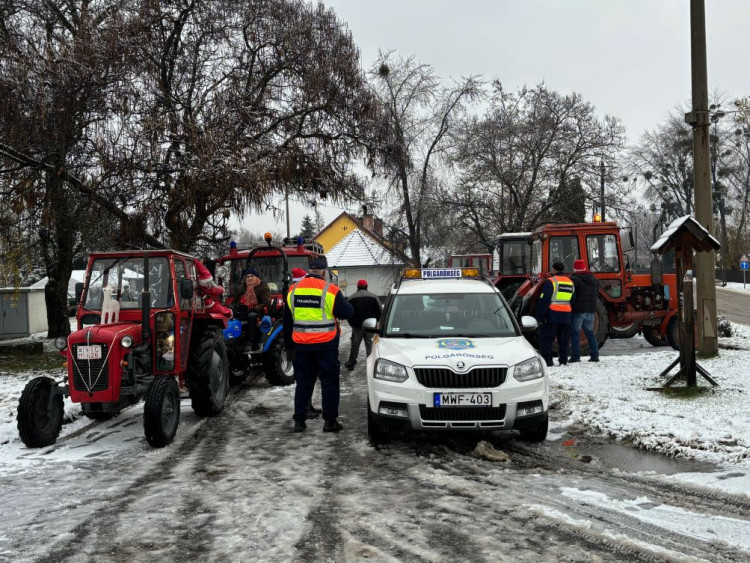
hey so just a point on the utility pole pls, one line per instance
(601, 174)
(286, 198)
(699, 119)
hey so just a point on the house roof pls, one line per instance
(359, 249)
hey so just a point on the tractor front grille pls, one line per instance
(448, 379)
(461, 413)
(90, 375)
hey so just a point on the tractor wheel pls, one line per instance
(238, 367)
(536, 434)
(208, 374)
(653, 335)
(673, 333)
(375, 432)
(40, 413)
(94, 412)
(161, 413)
(628, 331)
(278, 370)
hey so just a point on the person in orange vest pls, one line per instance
(311, 337)
(553, 313)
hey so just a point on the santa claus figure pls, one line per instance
(210, 291)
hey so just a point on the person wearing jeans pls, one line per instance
(584, 308)
(366, 305)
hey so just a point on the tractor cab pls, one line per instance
(514, 255)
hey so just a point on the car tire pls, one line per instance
(375, 432)
(536, 434)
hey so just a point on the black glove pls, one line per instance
(290, 355)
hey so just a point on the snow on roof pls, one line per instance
(358, 249)
(76, 276)
(691, 225)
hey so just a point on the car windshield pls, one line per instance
(122, 278)
(449, 314)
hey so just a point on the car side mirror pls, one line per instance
(186, 289)
(528, 324)
(370, 325)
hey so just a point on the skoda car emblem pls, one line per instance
(460, 365)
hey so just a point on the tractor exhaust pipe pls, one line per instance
(146, 302)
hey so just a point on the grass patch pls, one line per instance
(19, 362)
(686, 392)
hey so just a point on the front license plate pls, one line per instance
(463, 399)
(89, 352)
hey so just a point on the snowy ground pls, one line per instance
(740, 287)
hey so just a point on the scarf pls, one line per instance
(250, 299)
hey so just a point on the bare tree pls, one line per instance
(528, 155)
(420, 116)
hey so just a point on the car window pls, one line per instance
(449, 314)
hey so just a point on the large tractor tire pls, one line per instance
(161, 413)
(653, 335)
(40, 413)
(275, 365)
(208, 374)
(95, 412)
(628, 331)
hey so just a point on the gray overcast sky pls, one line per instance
(630, 58)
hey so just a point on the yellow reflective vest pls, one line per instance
(310, 301)
(562, 293)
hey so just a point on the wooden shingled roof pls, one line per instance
(685, 227)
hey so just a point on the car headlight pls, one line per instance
(127, 341)
(390, 371)
(61, 342)
(528, 370)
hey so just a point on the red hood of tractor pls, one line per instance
(107, 333)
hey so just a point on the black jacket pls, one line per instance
(366, 305)
(586, 292)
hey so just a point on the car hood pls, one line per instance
(456, 353)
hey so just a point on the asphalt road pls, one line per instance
(733, 305)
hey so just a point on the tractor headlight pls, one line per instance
(528, 370)
(127, 341)
(61, 342)
(390, 371)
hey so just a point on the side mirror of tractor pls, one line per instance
(186, 289)
(79, 292)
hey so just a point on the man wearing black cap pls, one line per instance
(366, 305)
(311, 336)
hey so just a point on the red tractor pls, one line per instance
(275, 264)
(628, 302)
(143, 332)
(514, 262)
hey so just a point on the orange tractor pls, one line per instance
(628, 302)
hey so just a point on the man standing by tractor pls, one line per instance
(584, 304)
(311, 335)
(366, 305)
(553, 312)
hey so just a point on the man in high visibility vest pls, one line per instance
(311, 336)
(553, 312)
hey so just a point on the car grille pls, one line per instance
(90, 375)
(448, 379)
(462, 413)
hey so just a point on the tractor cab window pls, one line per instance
(602, 253)
(565, 250)
(536, 257)
(514, 257)
(122, 279)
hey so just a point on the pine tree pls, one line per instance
(307, 231)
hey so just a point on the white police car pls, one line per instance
(449, 355)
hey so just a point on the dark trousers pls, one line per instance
(359, 334)
(547, 335)
(309, 366)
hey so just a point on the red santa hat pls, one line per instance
(579, 266)
(298, 274)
